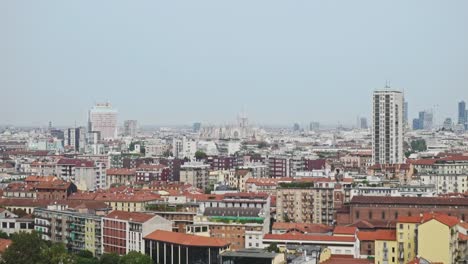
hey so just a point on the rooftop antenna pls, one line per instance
(387, 84)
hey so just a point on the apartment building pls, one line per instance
(306, 202)
(123, 232)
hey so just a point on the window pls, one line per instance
(12, 225)
(370, 215)
(383, 215)
(401, 226)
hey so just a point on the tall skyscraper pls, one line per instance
(196, 127)
(130, 127)
(103, 118)
(387, 130)
(462, 118)
(363, 123)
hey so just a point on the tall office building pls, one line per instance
(103, 118)
(130, 127)
(387, 126)
(196, 127)
(363, 123)
(462, 118)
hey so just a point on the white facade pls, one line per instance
(387, 127)
(184, 148)
(103, 119)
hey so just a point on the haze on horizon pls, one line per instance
(178, 62)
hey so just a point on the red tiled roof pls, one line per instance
(303, 237)
(389, 235)
(422, 161)
(346, 259)
(345, 230)
(376, 235)
(4, 244)
(462, 237)
(303, 227)
(409, 200)
(442, 218)
(55, 185)
(186, 239)
(130, 216)
(33, 178)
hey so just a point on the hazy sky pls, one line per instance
(176, 62)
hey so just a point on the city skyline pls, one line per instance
(217, 58)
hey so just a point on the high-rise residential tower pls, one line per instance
(130, 127)
(103, 118)
(387, 126)
(462, 118)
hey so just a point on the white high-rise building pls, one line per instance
(387, 126)
(184, 148)
(103, 118)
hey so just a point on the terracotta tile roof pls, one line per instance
(346, 259)
(4, 244)
(376, 235)
(455, 158)
(388, 235)
(462, 237)
(130, 216)
(55, 185)
(422, 161)
(313, 179)
(302, 227)
(442, 218)
(186, 239)
(345, 230)
(409, 200)
(25, 202)
(33, 178)
(204, 197)
(82, 196)
(296, 236)
(120, 171)
(374, 224)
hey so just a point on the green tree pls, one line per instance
(134, 257)
(200, 155)
(110, 258)
(418, 145)
(26, 248)
(273, 247)
(86, 257)
(4, 235)
(58, 254)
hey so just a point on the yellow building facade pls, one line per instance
(438, 241)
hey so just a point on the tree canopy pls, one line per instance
(26, 248)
